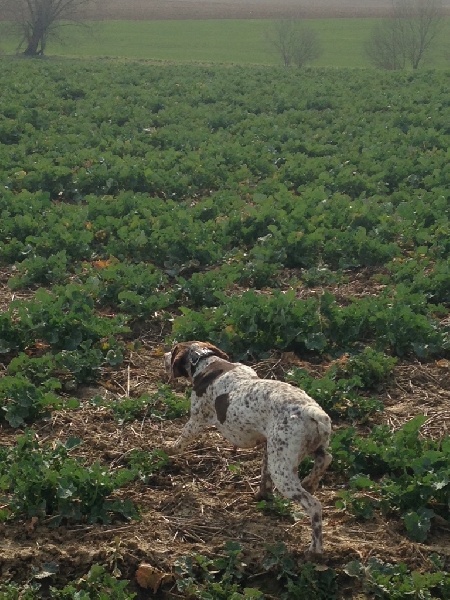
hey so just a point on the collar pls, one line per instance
(197, 356)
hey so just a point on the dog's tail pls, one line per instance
(321, 426)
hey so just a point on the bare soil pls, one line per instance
(239, 9)
(197, 503)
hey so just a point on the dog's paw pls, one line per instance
(171, 449)
(263, 495)
(314, 556)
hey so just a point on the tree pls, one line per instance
(37, 20)
(295, 43)
(404, 38)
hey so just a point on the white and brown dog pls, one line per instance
(249, 411)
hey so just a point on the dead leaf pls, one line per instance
(101, 264)
(443, 363)
(148, 577)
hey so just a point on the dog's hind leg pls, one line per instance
(322, 460)
(283, 471)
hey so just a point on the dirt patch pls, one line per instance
(237, 9)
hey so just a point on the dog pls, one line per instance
(249, 411)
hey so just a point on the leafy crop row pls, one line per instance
(44, 481)
(254, 323)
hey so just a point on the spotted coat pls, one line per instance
(248, 411)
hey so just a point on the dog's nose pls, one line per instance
(168, 366)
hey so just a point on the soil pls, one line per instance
(240, 9)
(204, 497)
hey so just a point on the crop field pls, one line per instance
(298, 219)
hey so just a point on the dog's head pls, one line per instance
(184, 356)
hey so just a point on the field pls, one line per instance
(299, 220)
(208, 41)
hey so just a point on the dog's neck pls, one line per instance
(210, 369)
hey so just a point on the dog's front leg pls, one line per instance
(191, 430)
(188, 434)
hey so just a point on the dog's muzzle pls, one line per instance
(168, 364)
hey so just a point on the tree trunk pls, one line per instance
(33, 43)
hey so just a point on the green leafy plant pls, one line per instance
(365, 370)
(22, 401)
(162, 404)
(340, 397)
(66, 368)
(276, 505)
(144, 464)
(139, 290)
(63, 318)
(396, 581)
(13, 591)
(45, 481)
(220, 578)
(97, 584)
(339, 391)
(305, 581)
(360, 499)
(418, 523)
(396, 472)
(423, 275)
(254, 323)
(200, 289)
(41, 270)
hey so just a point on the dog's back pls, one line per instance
(247, 409)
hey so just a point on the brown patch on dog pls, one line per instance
(221, 404)
(203, 380)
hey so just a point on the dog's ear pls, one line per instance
(179, 361)
(217, 351)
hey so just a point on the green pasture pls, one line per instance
(215, 41)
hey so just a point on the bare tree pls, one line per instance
(384, 48)
(37, 20)
(281, 38)
(307, 47)
(407, 35)
(295, 43)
